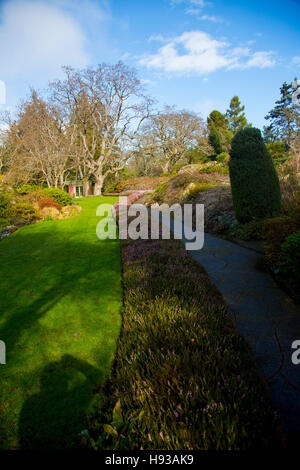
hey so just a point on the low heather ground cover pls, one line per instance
(184, 378)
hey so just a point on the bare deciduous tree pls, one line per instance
(39, 145)
(106, 105)
(168, 135)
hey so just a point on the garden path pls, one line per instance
(266, 317)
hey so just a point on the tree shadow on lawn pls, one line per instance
(80, 274)
(64, 384)
(70, 285)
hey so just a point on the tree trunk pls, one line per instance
(165, 167)
(85, 187)
(98, 185)
(61, 181)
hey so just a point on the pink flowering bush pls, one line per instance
(131, 199)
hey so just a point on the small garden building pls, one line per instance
(76, 188)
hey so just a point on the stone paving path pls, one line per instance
(265, 316)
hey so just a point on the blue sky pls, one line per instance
(195, 54)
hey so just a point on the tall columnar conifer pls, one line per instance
(254, 181)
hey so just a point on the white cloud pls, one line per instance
(296, 61)
(194, 11)
(197, 52)
(196, 3)
(201, 54)
(158, 38)
(262, 59)
(240, 52)
(38, 37)
(194, 7)
(213, 19)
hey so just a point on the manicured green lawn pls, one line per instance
(60, 317)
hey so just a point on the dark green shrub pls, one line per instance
(290, 255)
(4, 203)
(27, 188)
(17, 213)
(110, 188)
(254, 181)
(22, 212)
(215, 141)
(195, 155)
(278, 151)
(4, 223)
(7, 207)
(250, 231)
(62, 197)
(223, 157)
(275, 231)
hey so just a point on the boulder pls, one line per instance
(70, 211)
(218, 208)
(50, 212)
